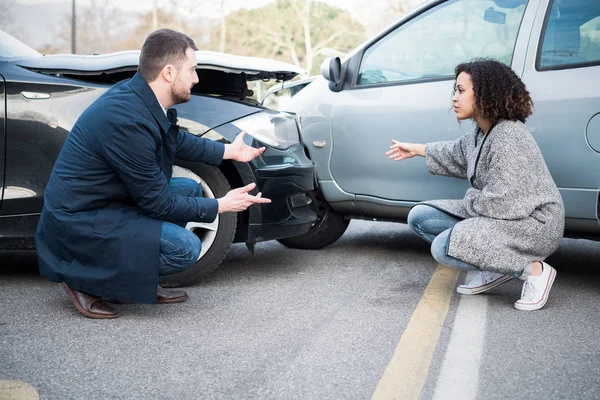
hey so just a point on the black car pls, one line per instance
(41, 97)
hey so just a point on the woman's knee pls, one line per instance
(439, 247)
(439, 251)
(417, 214)
(428, 222)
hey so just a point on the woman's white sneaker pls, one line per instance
(483, 281)
(536, 289)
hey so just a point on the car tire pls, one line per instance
(328, 227)
(216, 237)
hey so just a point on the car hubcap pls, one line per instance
(206, 231)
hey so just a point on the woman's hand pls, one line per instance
(400, 151)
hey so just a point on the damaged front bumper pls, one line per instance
(285, 178)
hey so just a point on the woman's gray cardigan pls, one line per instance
(513, 213)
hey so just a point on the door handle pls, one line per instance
(319, 143)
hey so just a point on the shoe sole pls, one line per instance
(81, 309)
(484, 288)
(543, 300)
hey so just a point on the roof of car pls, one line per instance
(261, 68)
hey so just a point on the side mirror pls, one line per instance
(331, 69)
(494, 17)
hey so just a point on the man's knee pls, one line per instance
(180, 248)
(195, 189)
(191, 248)
(186, 187)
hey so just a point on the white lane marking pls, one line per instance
(459, 376)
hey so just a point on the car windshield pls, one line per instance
(14, 49)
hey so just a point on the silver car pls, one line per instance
(399, 84)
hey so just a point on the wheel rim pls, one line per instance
(206, 231)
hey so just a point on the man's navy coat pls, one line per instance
(109, 192)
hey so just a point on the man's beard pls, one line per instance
(180, 94)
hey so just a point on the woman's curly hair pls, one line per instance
(499, 92)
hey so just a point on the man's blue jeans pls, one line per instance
(179, 248)
(434, 226)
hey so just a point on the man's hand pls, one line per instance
(400, 151)
(238, 199)
(240, 151)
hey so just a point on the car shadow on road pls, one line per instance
(18, 262)
(579, 256)
(367, 244)
(380, 240)
(384, 242)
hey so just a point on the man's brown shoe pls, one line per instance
(165, 296)
(90, 306)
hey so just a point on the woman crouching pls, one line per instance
(512, 216)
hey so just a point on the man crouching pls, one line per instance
(111, 225)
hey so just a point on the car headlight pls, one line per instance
(274, 129)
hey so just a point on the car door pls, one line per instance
(2, 135)
(40, 114)
(562, 73)
(401, 89)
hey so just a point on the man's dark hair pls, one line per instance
(163, 47)
(499, 92)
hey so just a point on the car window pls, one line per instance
(433, 43)
(571, 35)
(278, 100)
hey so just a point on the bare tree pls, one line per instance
(303, 32)
(101, 28)
(376, 16)
(398, 7)
(155, 15)
(4, 9)
(223, 24)
(306, 19)
(8, 21)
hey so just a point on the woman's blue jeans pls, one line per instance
(434, 226)
(179, 248)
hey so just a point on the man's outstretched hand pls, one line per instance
(240, 151)
(238, 199)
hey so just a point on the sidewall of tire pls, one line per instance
(326, 231)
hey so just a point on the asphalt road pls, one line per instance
(325, 324)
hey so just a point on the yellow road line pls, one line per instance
(405, 375)
(17, 390)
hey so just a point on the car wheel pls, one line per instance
(216, 237)
(328, 227)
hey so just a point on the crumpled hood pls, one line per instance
(255, 68)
